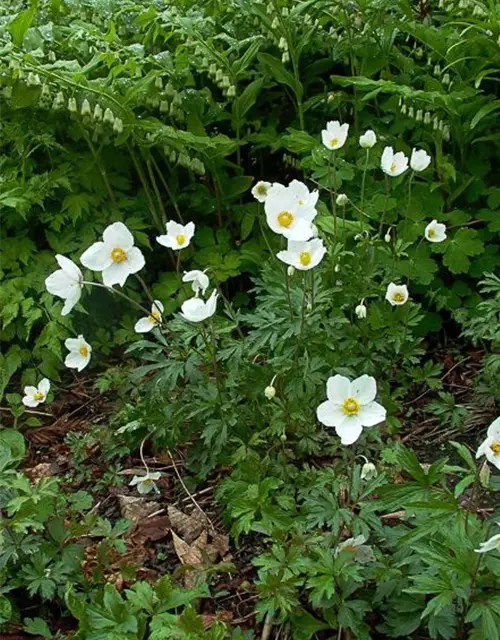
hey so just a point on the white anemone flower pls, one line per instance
(335, 135)
(33, 396)
(393, 164)
(198, 279)
(66, 283)
(116, 256)
(360, 551)
(152, 320)
(368, 139)
(350, 406)
(492, 544)
(305, 199)
(419, 160)
(435, 231)
(303, 255)
(178, 236)
(197, 310)
(287, 217)
(490, 447)
(396, 294)
(146, 483)
(260, 190)
(79, 353)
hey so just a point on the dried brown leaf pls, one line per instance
(188, 526)
(135, 509)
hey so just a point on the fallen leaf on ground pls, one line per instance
(148, 529)
(135, 509)
(188, 526)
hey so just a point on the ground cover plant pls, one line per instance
(250, 320)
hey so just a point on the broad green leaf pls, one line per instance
(21, 23)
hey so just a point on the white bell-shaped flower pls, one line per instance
(435, 231)
(393, 164)
(198, 279)
(368, 139)
(66, 283)
(197, 310)
(396, 294)
(419, 160)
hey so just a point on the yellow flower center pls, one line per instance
(495, 447)
(180, 239)
(398, 297)
(334, 142)
(285, 219)
(350, 407)
(147, 481)
(431, 233)
(154, 317)
(305, 258)
(261, 189)
(393, 167)
(300, 202)
(118, 255)
(84, 352)
(38, 396)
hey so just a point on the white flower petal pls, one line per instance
(157, 306)
(44, 386)
(135, 260)
(29, 401)
(30, 391)
(349, 430)
(97, 257)
(330, 414)
(60, 284)
(144, 325)
(71, 301)
(116, 273)
(118, 236)
(73, 360)
(364, 389)
(371, 414)
(494, 430)
(69, 267)
(167, 241)
(338, 388)
(301, 231)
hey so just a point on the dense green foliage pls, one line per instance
(142, 112)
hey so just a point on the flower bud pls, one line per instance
(285, 11)
(108, 116)
(446, 78)
(98, 112)
(336, 268)
(309, 307)
(360, 311)
(411, 112)
(368, 139)
(231, 92)
(270, 392)
(387, 236)
(212, 69)
(86, 110)
(275, 23)
(484, 475)
(225, 82)
(427, 117)
(285, 57)
(403, 109)
(368, 471)
(437, 69)
(51, 56)
(283, 44)
(342, 200)
(435, 123)
(118, 125)
(164, 106)
(72, 108)
(419, 116)
(290, 271)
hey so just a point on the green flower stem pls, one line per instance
(363, 182)
(156, 192)
(120, 294)
(264, 235)
(145, 186)
(409, 201)
(287, 289)
(332, 188)
(167, 188)
(387, 192)
(102, 171)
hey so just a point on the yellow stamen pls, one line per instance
(84, 352)
(154, 317)
(38, 396)
(305, 258)
(393, 167)
(261, 190)
(431, 233)
(334, 142)
(350, 407)
(495, 447)
(398, 297)
(285, 219)
(118, 255)
(180, 239)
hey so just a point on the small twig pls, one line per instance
(141, 453)
(191, 497)
(38, 413)
(266, 629)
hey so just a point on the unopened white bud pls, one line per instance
(218, 75)
(51, 56)
(285, 57)
(309, 307)
(360, 311)
(387, 236)
(86, 110)
(98, 112)
(159, 82)
(290, 271)
(275, 23)
(342, 199)
(72, 105)
(437, 69)
(411, 112)
(118, 125)
(108, 116)
(403, 109)
(270, 392)
(446, 78)
(420, 115)
(283, 44)
(336, 268)
(427, 117)
(368, 471)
